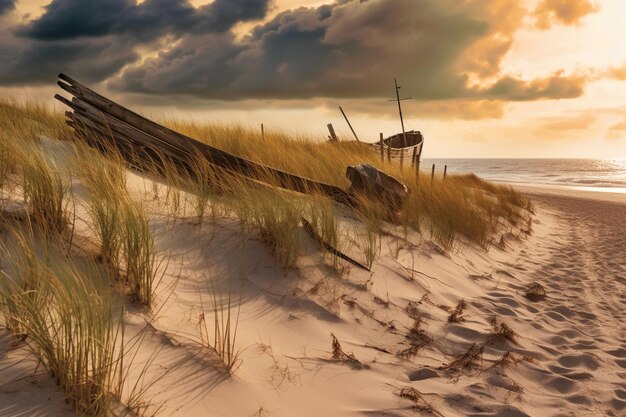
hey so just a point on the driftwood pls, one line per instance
(313, 234)
(141, 140)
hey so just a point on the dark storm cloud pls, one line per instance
(353, 49)
(94, 39)
(348, 49)
(438, 49)
(38, 62)
(68, 19)
(6, 6)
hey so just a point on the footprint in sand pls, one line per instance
(561, 384)
(585, 360)
(422, 374)
(507, 411)
(579, 399)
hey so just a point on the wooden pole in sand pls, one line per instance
(382, 149)
(331, 130)
(432, 177)
(389, 151)
(262, 132)
(349, 124)
(445, 171)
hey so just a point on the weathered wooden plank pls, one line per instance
(213, 155)
(131, 151)
(115, 127)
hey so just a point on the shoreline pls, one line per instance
(537, 190)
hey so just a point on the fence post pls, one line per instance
(389, 151)
(262, 132)
(382, 149)
(331, 130)
(432, 176)
(445, 171)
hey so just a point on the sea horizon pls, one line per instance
(590, 174)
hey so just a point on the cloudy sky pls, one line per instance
(488, 78)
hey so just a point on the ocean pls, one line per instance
(585, 174)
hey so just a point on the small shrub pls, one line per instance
(457, 315)
(535, 292)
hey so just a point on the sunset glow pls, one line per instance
(489, 78)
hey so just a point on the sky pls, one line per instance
(486, 78)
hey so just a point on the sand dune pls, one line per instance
(427, 331)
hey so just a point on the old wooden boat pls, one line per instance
(408, 144)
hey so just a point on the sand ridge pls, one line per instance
(431, 331)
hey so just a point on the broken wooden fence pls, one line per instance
(138, 138)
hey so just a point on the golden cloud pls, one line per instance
(582, 122)
(463, 109)
(620, 126)
(503, 18)
(565, 12)
(617, 73)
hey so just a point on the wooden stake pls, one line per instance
(331, 129)
(445, 171)
(349, 124)
(432, 176)
(382, 149)
(262, 132)
(389, 152)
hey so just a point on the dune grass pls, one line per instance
(120, 223)
(459, 206)
(67, 311)
(45, 188)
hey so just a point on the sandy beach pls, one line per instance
(426, 331)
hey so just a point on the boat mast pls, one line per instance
(398, 99)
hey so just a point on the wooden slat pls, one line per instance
(214, 155)
(115, 127)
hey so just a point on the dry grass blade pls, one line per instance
(417, 338)
(418, 400)
(535, 292)
(501, 332)
(340, 355)
(467, 360)
(510, 359)
(412, 310)
(225, 322)
(457, 315)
